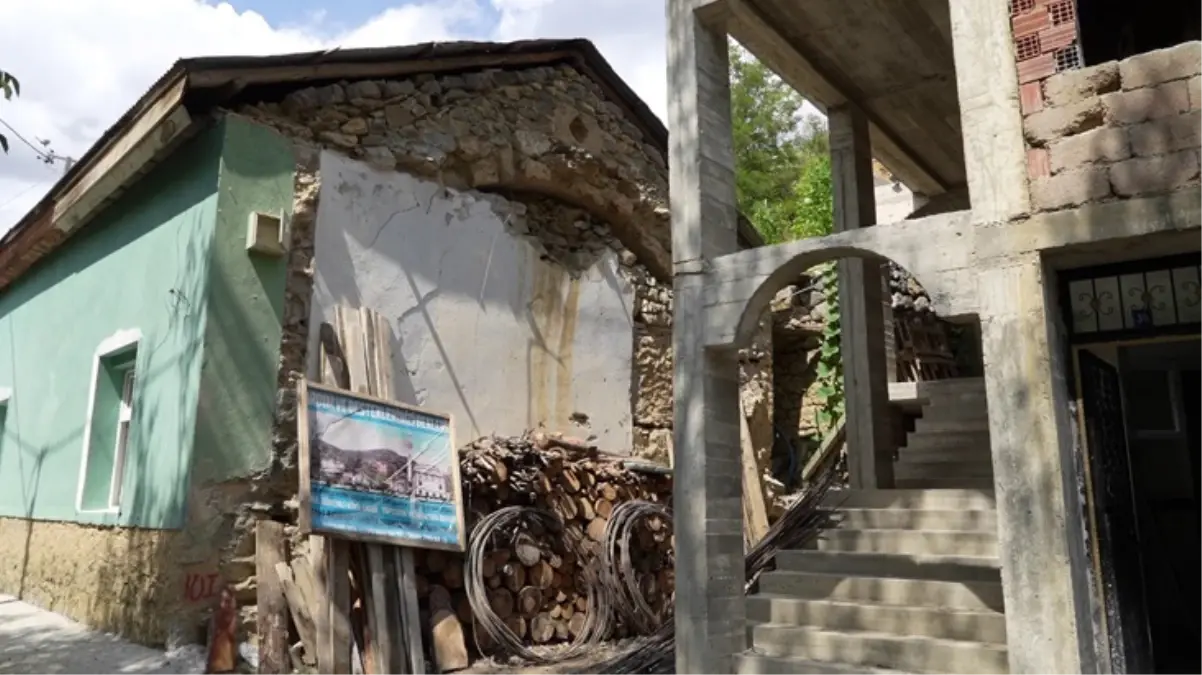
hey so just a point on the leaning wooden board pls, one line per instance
(357, 358)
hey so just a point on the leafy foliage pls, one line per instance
(829, 371)
(783, 179)
(782, 157)
(11, 87)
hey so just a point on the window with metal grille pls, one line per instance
(125, 415)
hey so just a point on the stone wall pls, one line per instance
(545, 130)
(1116, 130)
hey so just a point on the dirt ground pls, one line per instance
(596, 655)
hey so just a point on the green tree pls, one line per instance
(11, 87)
(782, 157)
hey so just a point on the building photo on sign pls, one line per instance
(378, 471)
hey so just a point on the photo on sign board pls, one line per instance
(380, 471)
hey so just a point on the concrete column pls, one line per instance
(865, 361)
(991, 123)
(710, 614)
(1028, 413)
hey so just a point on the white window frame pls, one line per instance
(121, 341)
(125, 416)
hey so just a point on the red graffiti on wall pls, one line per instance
(201, 586)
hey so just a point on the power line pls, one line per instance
(22, 193)
(48, 158)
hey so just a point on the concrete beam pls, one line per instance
(741, 285)
(825, 91)
(865, 358)
(995, 158)
(1025, 419)
(710, 614)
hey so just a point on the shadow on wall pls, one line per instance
(117, 579)
(449, 271)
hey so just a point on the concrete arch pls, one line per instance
(935, 250)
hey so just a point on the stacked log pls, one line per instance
(537, 580)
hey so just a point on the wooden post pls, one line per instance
(271, 624)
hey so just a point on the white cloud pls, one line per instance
(84, 62)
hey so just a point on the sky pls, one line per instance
(82, 63)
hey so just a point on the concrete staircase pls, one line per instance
(906, 580)
(949, 446)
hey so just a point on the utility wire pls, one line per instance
(48, 158)
(21, 193)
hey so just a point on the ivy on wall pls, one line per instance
(829, 370)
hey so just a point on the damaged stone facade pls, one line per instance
(545, 138)
(579, 180)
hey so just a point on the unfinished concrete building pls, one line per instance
(1043, 518)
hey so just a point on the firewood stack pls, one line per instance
(536, 578)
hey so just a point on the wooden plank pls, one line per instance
(755, 509)
(339, 588)
(379, 348)
(377, 609)
(299, 608)
(153, 128)
(410, 619)
(833, 441)
(271, 623)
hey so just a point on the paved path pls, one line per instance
(33, 640)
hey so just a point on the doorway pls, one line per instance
(1140, 412)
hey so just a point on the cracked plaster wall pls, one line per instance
(496, 319)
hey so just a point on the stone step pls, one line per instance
(968, 499)
(956, 410)
(893, 565)
(922, 425)
(949, 454)
(908, 653)
(751, 663)
(977, 596)
(959, 441)
(912, 542)
(906, 468)
(948, 483)
(923, 621)
(917, 519)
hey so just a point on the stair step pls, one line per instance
(961, 409)
(961, 453)
(960, 441)
(962, 595)
(751, 663)
(923, 425)
(915, 542)
(917, 519)
(906, 467)
(880, 649)
(969, 499)
(933, 622)
(899, 566)
(948, 483)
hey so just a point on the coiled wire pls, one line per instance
(508, 521)
(618, 576)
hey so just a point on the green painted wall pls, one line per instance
(142, 264)
(245, 310)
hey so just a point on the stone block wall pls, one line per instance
(1115, 130)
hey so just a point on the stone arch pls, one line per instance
(742, 285)
(547, 130)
